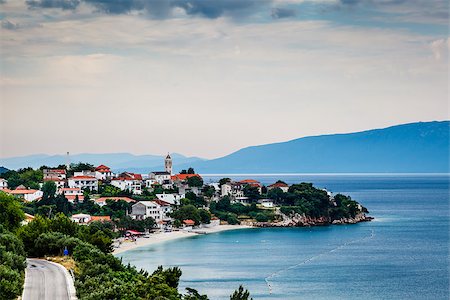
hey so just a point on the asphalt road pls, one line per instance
(45, 281)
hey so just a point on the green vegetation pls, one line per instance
(231, 213)
(12, 254)
(98, 274)
(195, 181)
(305, 199)
(27, 177)
(241, 294)
(190, 212)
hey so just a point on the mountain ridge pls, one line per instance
(421, 147)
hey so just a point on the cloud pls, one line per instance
(63, 4)
(280, 13)
(440, 48)
(161, 8)
(6, 24)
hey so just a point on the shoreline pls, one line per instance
(162, 237)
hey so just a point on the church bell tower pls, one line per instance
(168, 164)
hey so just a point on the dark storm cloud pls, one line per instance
(215, 8)
(63, 4)
(161, 8)
(280, 13)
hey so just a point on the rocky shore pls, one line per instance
(305, 221)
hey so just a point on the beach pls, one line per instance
(161, 237)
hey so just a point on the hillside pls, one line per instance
(415, 147)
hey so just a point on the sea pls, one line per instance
(402, 254)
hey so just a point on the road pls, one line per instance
(45, 280)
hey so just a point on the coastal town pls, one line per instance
(161, 201)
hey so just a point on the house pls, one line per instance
(279, 184)
(188, 224)
(81, 218)
(182, 177)
(71, 194)
(242, 200)
(250, 182)
(3, 184)
(54, 173)
(157, 209)
(60, 183)
(128, 181)
(102, 201)
(83, 182)
(162, 178)
(103, 172)
(266, 203)
(173, 199)
(25, 194)
(149, 182)
(84, 173)
(232, 189)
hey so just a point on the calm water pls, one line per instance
(403, 254)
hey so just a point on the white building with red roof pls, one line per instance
(279, 184)
(71, 194)
(157, 209)
(103, 172)
(54, 173)
(25, 194)
(83, 182)
(128, 181)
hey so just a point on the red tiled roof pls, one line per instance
(102, 168)
(249, 181)
(161, 202)
(22, 192)
(53, 179)
(70, 189)
(279, 184)
(183, 177)
(100, 219)
(73, 197)
(188, 222)
(83, 177)
(129, 176)
(103, 199)
(60, 171)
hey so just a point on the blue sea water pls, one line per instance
(402, 254)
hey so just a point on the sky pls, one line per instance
(208, 77)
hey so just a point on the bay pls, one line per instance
(402, 254)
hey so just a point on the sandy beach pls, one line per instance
(170, 236)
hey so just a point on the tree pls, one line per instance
(208, 191)
(10, 284)
(251, 192)
(224, 181)
(276, 194)
(191, 171)
(240, 294)
(224, 204)
(193, 294)
(187, 212)
(205, 216)
(11, 214)
(183, 172)
(195, 181)
(260, 217)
